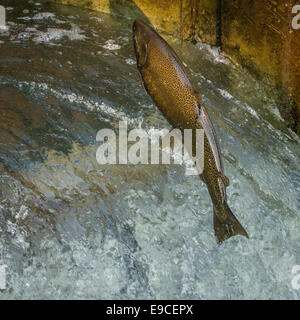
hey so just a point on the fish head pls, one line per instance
(142, 34)
(164, 76)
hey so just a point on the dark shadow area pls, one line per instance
(128, 9)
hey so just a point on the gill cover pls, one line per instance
(141, 39)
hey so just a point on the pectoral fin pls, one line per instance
(210, 135)
(222, 189)
(224, 179)
(223, 182)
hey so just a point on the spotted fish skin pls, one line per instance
(168, 83)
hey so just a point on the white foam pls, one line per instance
(59, 21)
(4, 29)
(43, 15)
(97, 19)
(24, 18)
(53, 34)
(130, 61)
(22, 36)
(31, 29)
(82, 100)
(225, 94)
(252, 111)
(111, 45)
(215, 53)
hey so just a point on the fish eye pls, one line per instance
(134, 27)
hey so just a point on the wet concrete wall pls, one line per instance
(261, 36)
(258, 34)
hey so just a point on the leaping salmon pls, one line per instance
(171, 88)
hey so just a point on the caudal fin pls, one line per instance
(229, 227)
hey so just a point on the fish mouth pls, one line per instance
(142, 31)
(139, 24)
(135, 25)
(134, 32)
(142, 34)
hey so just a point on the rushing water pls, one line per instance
(71, 228)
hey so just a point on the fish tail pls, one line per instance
(228, 227)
